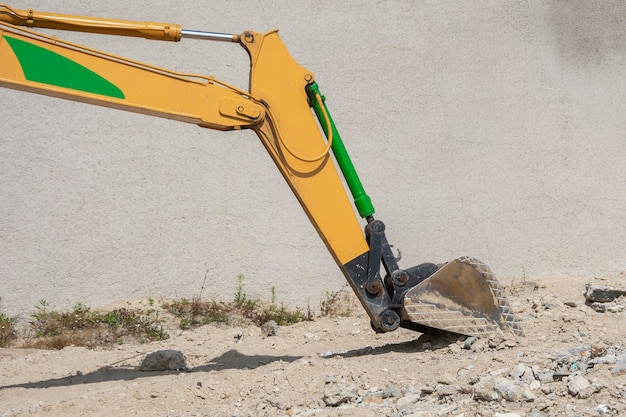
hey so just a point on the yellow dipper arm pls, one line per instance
(148, 30)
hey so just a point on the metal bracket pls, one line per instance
(381, 297)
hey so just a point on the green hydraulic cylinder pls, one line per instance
(362, 201)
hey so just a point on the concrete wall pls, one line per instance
(491, 129)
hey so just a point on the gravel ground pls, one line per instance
(572, 362)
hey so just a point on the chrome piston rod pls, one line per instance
(209, 36)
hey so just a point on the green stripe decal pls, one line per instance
(44, 66)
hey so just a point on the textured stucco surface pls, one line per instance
(491, 129)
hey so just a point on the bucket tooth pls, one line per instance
(462, 297)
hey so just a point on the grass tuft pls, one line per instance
(81, 326)
(195, 312)
(337, 304)
(7, 329)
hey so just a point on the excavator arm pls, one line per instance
(284, 107)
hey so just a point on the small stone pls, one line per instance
(598, 307)
(330, 379)
(506, 415)
(572, 354)
(576, 383)
(602, 294)
(520, 371)
(373, 399)
(571, 304)
(527, 394)
(446, 379)
(545, 376)
(427, 390)
(164, 360)
(588, 391)
(392, 391)
(336, 395)
(406, 401)
(513, 392)
(620, 366)
(270, 328)
(484, 390)
(447, 390)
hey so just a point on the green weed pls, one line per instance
(7, 328)
(81, 326)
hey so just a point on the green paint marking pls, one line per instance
(47, 67)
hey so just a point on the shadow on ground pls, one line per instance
(233, 359)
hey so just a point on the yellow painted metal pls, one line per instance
(148, 90)
(292, 137)
(276, 108)
(32, 18)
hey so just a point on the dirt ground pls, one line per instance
(570, 363)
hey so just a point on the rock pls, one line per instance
(336, 395)
(164, 360)
(572, 354)
(620, 366)
(447, 379)
(588, 391)
(485, 390)
(506, 415)
(455, 349)
(545, 376)
(513, 392)
(427, 390)
(238, 337)
(446, 390)
(270, 328)
(614, 308)
(602, 294)
(407, 401)
(603, 360)
(373, 399)
(576, 383)
(610, 307)
(392, 391)
(330, 379)
(522, 373)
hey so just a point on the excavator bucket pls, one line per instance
(462, 297)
